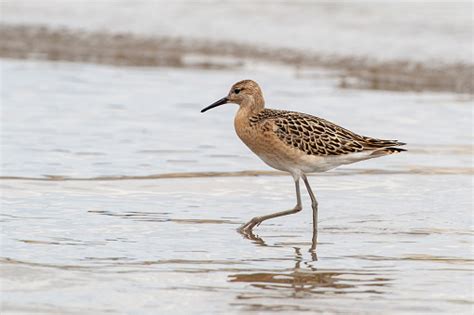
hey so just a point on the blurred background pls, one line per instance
(114, 182)
(172, 58)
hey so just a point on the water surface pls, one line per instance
(395, 233)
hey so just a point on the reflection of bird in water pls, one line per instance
(260, 241)
(296, 143)
(305, 278)
(299, 278)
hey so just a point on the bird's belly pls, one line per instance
(313, 163)
(296, 162)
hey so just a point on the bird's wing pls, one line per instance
(316, 136)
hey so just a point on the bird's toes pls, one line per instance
(247, 227)
(256, 221)
(242, 228)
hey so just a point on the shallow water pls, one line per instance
(84, 120)
(139, 246)
(395, 233)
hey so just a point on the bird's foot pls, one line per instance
(247, 231)
(248, 227)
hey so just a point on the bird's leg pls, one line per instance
(314, 205)
(247, 227)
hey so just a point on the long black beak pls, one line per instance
(222, 101)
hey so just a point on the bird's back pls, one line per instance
(316, 136)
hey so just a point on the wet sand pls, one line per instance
(413, 170)
(125, 49)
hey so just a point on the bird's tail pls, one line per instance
(387, 151)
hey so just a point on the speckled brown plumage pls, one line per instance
(314, 135)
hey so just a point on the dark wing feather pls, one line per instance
(316, 136)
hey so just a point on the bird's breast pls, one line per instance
(249, 134)
(262, 140)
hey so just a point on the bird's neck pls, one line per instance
(242, 118)
(250, 107)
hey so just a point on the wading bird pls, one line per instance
(296, 143)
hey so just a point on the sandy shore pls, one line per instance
(37, 42)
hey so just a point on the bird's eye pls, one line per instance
(236, 91)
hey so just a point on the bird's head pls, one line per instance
(244, 93)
